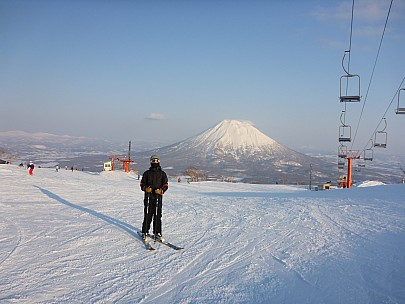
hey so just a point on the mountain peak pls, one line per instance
(234, 135)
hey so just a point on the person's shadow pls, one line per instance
(131, 230)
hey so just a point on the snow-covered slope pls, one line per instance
(70, 237)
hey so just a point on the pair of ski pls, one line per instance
(151, 237)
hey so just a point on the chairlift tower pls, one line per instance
(113, 158)
(126, 161)
(351, 156)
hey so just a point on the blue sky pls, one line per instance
(168, 70)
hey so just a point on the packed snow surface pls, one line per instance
(70, 237)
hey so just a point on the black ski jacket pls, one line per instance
(154, 178)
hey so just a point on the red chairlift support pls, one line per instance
(114, 158)
(128, 160)
(124, 159)
(351, 155)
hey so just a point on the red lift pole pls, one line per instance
(349, 172)
(351, 155)
(127, 161)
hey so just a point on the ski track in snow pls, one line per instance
(70, 237)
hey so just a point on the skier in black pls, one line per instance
(154, 183)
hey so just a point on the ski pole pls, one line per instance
(146, 215)
(155, 200)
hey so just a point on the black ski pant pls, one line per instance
(152, 210)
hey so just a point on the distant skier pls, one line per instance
(154, 183)
(31, 167)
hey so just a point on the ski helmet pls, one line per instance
(154, 158)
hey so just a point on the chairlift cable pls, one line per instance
(389, 106)
(372, 74)
(349, 50)
(351, 35)
(350, 45)
(348, 61)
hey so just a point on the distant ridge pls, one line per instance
(232, 150)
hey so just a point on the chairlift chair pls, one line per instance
(368, 154)
(401, 103)
(342, 151)
(358, 167)
(345, 133)
(380, 137)
(353, 82)
(349, 84)
(341, 163)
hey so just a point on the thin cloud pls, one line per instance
(334, 44)
(155, 116)
(340, 12)
(369, 15)
(364, 10)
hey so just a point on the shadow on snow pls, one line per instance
(131, 230)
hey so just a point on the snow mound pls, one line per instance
(369, 184)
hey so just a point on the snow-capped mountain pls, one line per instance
(236, 149)
(235, 139)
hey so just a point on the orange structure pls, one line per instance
(113, 159)
(346, 181)
(124, 159)
(127, 161)
(125, 164)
